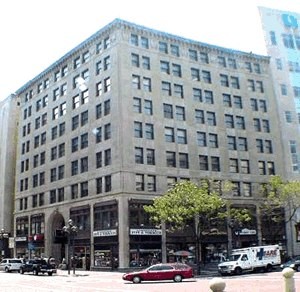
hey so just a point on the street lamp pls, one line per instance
(3, 235)
(70, 231)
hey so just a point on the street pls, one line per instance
(86, 281)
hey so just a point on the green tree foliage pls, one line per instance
(187, 201)
(280, 195)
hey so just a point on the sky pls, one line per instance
(36, 33)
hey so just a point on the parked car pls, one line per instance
(9, 265)
(174, 271)
(37, 266)
(293, 263)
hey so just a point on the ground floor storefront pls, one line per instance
(118, 234)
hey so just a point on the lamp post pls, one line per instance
(3, 235)
(70, 231)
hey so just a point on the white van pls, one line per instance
(250, 259)
(9, 265)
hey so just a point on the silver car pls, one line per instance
(9, 265)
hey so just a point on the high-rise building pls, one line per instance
(9, 114)
(282, 37)
(122, 117)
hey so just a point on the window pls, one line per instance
(98, 89)
(215, 163)
(193, 55)
(213, 140)
(75, 122)
(181, 136)
(245, 166)
(208, 97)
(138, 130)
(136, 82)
(226, 100)
(240, 122)
(203, 162)
(211, 119)
(99, 185)
(74, 167)
(166, 88)
(163, 47)
(60, 194)
(107, 107)
(201, 139)
(139, 155)
(146, 62)
(107, 84)
(199, 116)
(251, 85)
(204, 58)
(174, 50)
(180, 113)
(84, 189)
(134, 40)
(149, 131)
(233, 165)
(84, 165)
(195, 74)
(151, 183)
(169, 134)
(74, 145)
(278, 64)
(231, 142)
(106, 64)
(176, 70)
(107, 132)
(165, 67)
(178, 90)
(283, 89)
(147, 84)
(183, 160)
(84, 118)
(52, 198)
(150, 154)
(222, 61)
(232, 63)
(139, 182)
(229, 121)
(242, 144)
(197, 94)
(168, 111)
(206, 77)
(171, 159)
(247, 190)
(61, 172)
(266, 126)
(256, 124)
(99, 67)
(273, 38)
(288, 116)
(235, 82)
(144, 43)
(254, 104)
(237, 101)
(224, 80)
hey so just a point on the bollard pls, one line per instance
(289, 282)
(217, 285)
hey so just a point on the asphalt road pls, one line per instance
(84, 281)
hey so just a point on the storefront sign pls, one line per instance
(22, 238)
(246, 231)
(145, 232)
(101, 233)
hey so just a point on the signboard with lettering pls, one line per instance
(145, 232)
(101, 233)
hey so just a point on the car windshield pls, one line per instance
(234, 257)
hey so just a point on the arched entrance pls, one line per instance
(57, 240)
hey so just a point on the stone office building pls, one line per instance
(282, 38)
(118, 120)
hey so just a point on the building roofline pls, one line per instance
(121, 22)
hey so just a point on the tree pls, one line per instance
(280, 196)
(188, 202)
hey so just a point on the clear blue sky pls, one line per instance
(35, 33)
